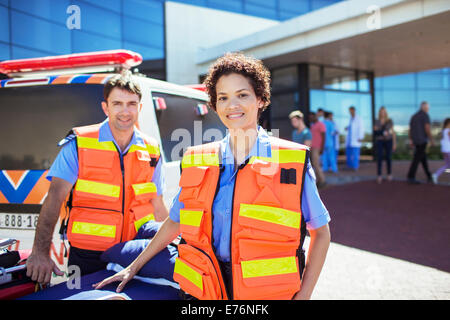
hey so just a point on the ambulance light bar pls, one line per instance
(107, 59)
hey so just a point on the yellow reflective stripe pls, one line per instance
(141, 188)
(279, 216)
(283, 156)
(94, 229)
(268, 267)
(151, 149)
(140, 222)
(191, 217)
(200, 159)
(193, 276)
(93, 143)
(103, 189)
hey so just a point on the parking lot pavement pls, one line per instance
(389, 241)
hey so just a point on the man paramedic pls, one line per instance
(113, 172)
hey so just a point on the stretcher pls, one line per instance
(14, 284)
(138, 288)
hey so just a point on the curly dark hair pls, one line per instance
(251, 68)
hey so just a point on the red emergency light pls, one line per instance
(200, 87)
(120, 58)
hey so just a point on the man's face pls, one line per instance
(295, 122)
(122, 107)
(352, 112)
(426, 107)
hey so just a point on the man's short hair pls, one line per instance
(296, 114)
(352, 107)
(124, 82)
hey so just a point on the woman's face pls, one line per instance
(237, 104)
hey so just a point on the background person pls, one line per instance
(354, 138)
(301, 133)
(91, 162)
(385, 142)
(238, 88)
(329, 161)
(317, 146)
(419, 135)
(445, 149)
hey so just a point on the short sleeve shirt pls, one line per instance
(313, 209)
(317, 129)
(301, 137)
(417, 127)
(66, 167)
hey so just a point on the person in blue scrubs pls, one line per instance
(329, 161)
(239, 99)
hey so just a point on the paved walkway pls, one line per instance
(389, 241)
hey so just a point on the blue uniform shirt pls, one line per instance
(65, 165)
(314, 211)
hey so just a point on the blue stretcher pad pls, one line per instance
(134, 290)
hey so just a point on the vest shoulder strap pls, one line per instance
(286, 144)
(90, 131)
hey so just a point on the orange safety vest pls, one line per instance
(266, 224)
(111, 199)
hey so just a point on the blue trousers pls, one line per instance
(352, 157)
(329, 160)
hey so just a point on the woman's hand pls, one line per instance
(124, 276)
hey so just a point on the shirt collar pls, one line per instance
(105, 134)
(261, 148)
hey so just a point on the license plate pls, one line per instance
(18, 220)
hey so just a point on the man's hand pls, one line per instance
(40, 268)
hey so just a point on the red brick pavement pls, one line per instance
(408, 222)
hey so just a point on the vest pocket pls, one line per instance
(273, 278)
(94, 229)
(140, 215)
(191, 184)
(191, 221)
(195, 273)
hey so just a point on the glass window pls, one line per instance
(100, 21)
(4, 51)
(286, 15)
(18, 147)
(143, 32)
(314, 76)
(363, 82)
(399, 97)
(113, 5)
(147, 53)
(229, 5)
(4, 24)
(49, 9)
(295, 6)
(284, 78)
(431, 81)
(194, 2)
(339, 102)
(266, 3)
(434, 97)
(317, 4)
(39, 34)
(22, 53)
(4, 2)
(402, 81)
(339, 79)
(180, 126)
(280, 107)
(260, 11)
(147, 10)
(85, 42)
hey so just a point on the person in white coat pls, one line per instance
(355, 135)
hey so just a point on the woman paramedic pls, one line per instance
(244, 204)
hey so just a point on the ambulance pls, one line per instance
(43, 98)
